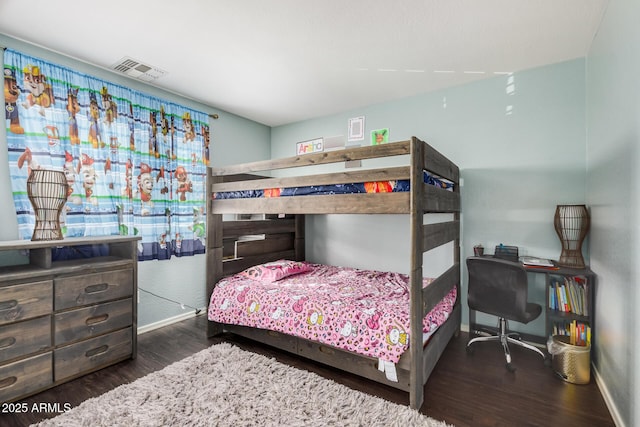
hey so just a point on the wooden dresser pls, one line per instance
(63, 319)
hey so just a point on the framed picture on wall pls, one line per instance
(356, 129)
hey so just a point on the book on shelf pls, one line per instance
(569, 295)
(579, 333)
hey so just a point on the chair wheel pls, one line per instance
(469, 350)
(510, 367)
(547, 361)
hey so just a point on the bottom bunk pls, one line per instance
(363, 366)
(354, 320)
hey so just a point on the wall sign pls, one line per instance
(311, 146)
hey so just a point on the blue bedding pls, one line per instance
(361, 187)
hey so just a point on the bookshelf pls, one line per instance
(570, 303)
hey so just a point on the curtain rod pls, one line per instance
(213, 116)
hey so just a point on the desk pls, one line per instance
(555, 317)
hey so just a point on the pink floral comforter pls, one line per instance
(362, 311)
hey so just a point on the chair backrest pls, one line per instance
(498, 287)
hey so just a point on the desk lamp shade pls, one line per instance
(572, 224)
(47, 191)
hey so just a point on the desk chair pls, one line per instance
(499, 287)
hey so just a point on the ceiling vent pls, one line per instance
(138, 70)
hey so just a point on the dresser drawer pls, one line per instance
(19, 302)
(97, 319)
(75, 291)
(94, 353)
(25, 376)
(22, 338)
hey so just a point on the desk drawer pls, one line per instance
(90, 321)
(22, 338)
(19, 302)
(25, 376)
(75, 291)
(92, 354)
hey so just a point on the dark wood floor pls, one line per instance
(464, 390)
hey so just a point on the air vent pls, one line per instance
(138, 70)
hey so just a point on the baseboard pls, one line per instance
(608, 400)
(168, 321)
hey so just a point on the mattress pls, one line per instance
(392, 186)
(361, 311)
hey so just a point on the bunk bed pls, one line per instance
(237, 190)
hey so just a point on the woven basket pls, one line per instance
(572, 363)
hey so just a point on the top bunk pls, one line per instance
(429, 182)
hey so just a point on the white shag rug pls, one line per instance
(226, 386)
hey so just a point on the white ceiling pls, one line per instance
(282, 61)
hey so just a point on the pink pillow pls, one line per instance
(273, 271)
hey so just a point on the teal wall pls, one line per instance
(233, 140)
(613, 155)
(516, 168)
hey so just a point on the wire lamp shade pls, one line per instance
(47, 191)
(572, 224)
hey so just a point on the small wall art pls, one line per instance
(379, 136)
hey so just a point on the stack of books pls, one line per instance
(569, 296)
(529, 261)
(579, 333)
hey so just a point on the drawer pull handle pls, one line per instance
(97, 351)
(8, 382)
(8, 305)
(100, 287)
(96, 319)
(7, 342)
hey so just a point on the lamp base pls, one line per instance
(47, 230)
(571, 258)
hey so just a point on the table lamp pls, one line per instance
(47, 191)
(572, 224)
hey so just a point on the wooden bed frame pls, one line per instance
(284, 238)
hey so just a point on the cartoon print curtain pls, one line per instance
(135, 164)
